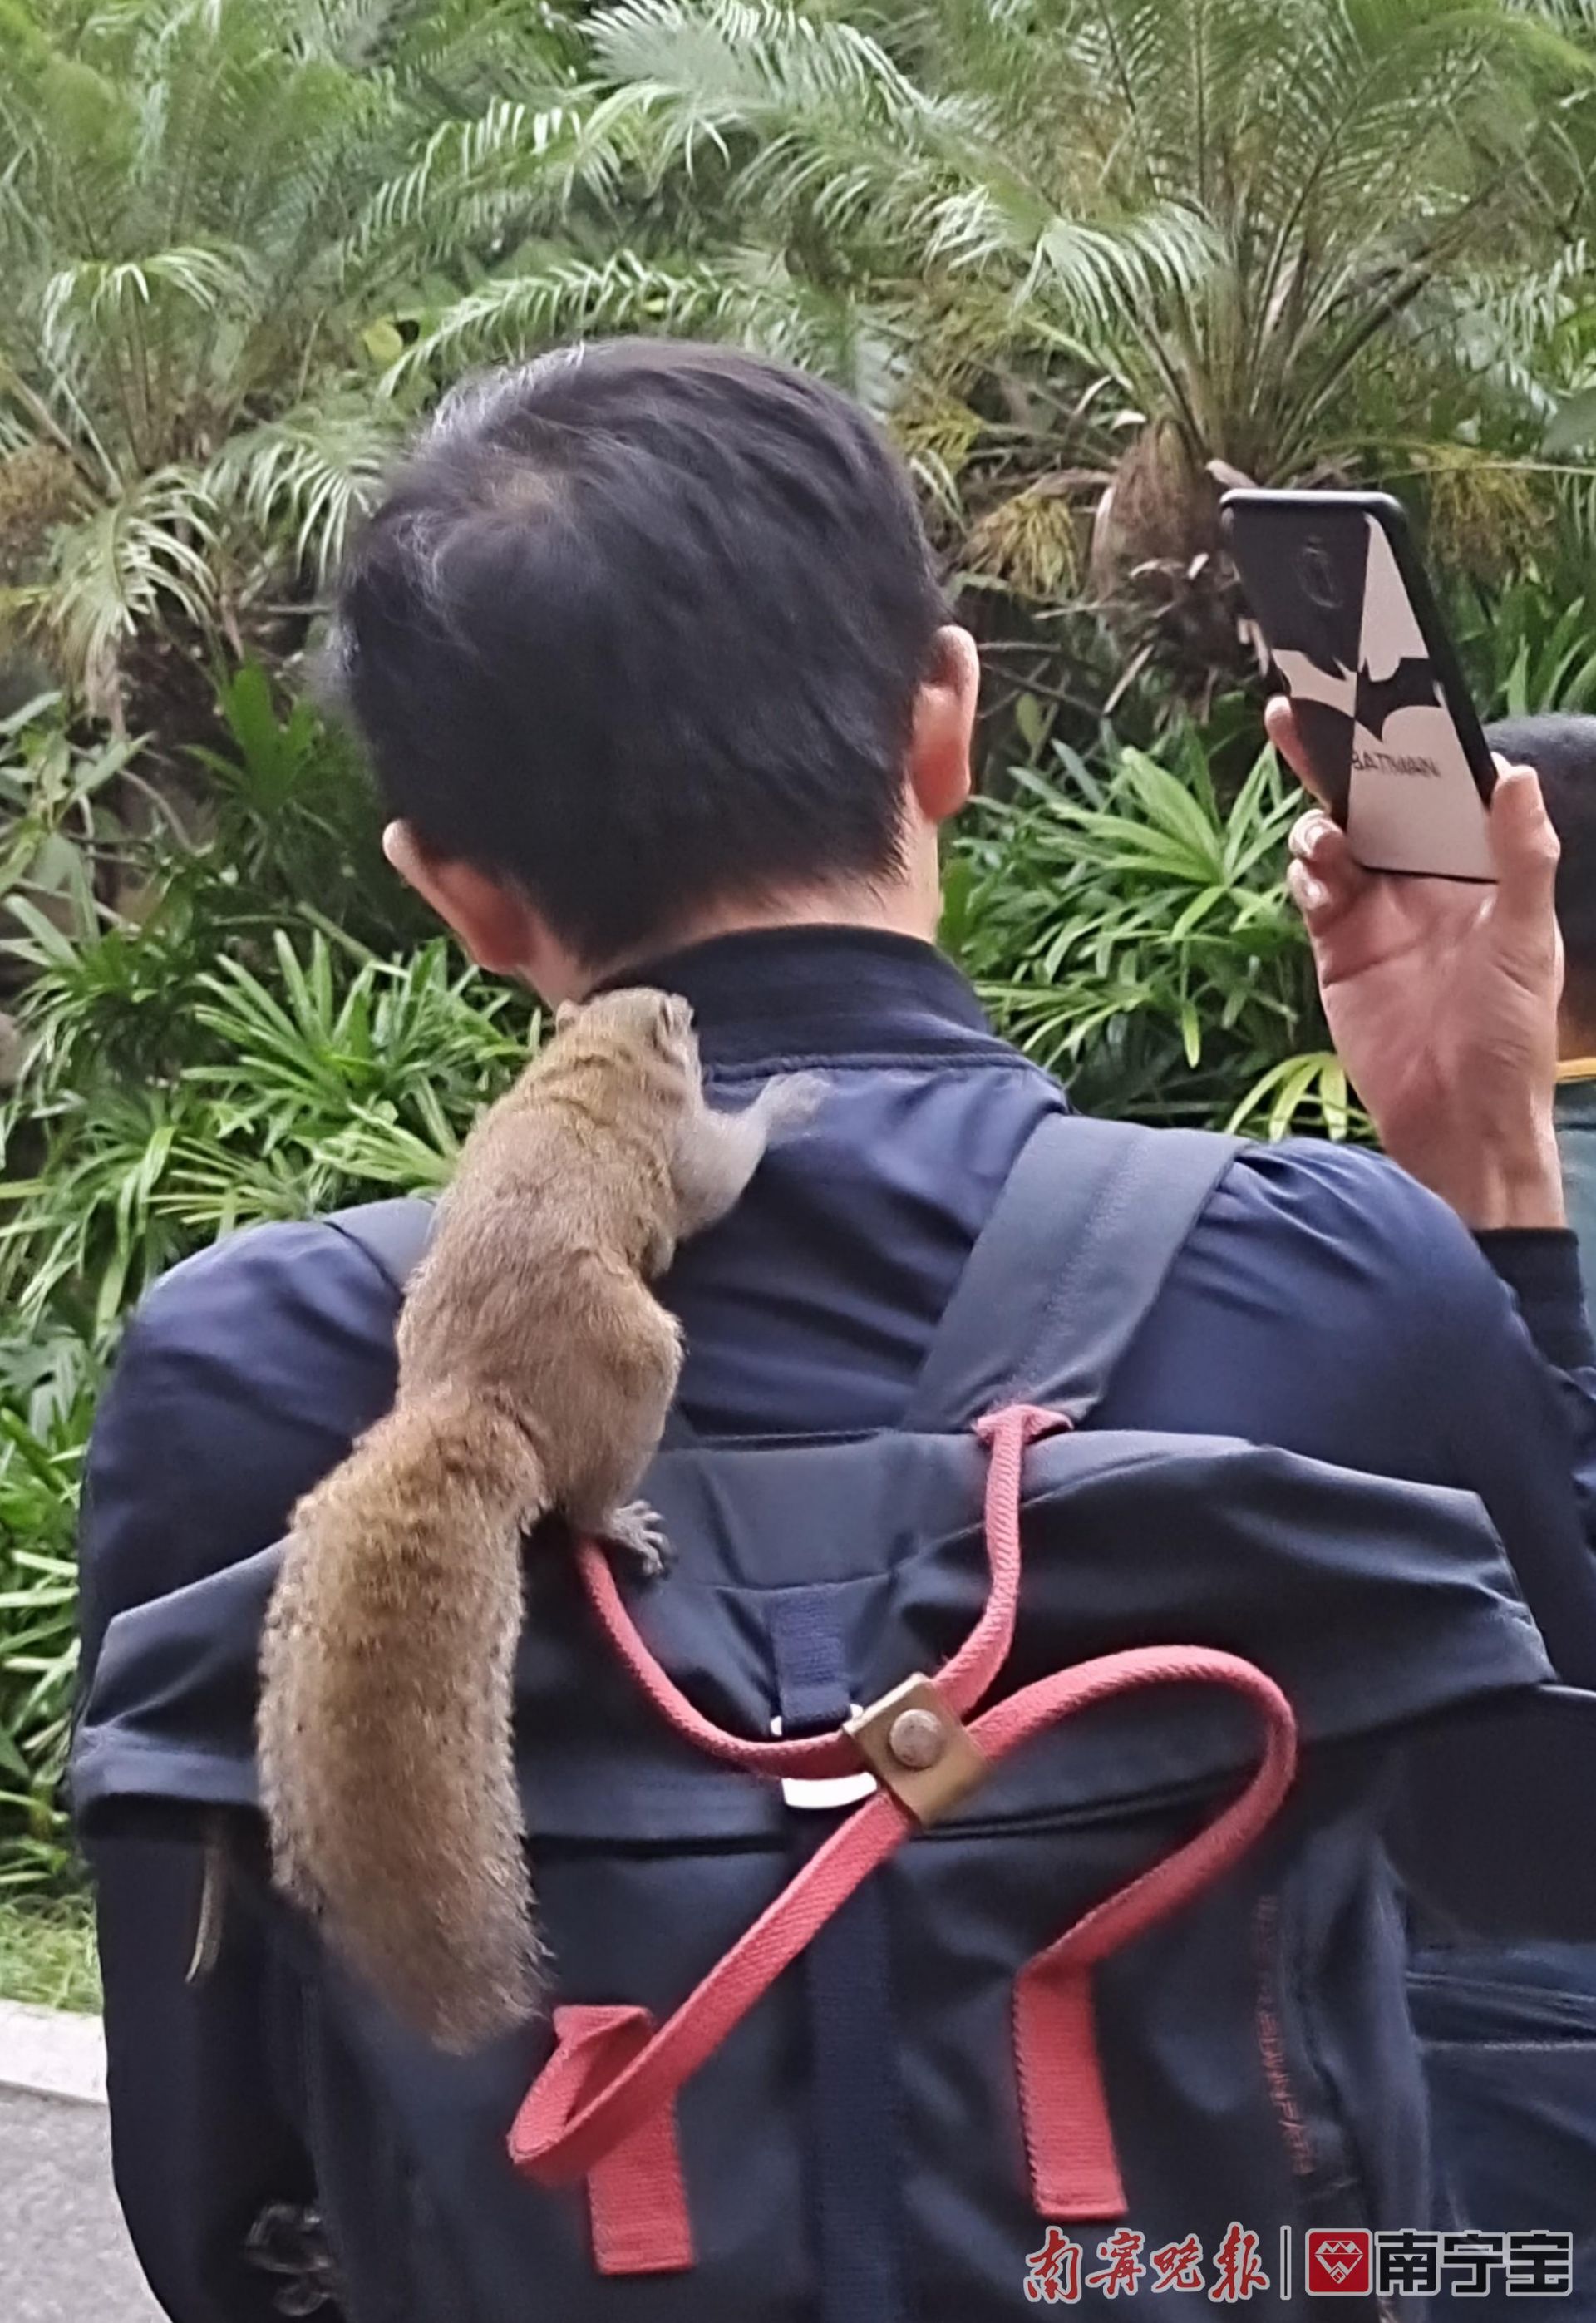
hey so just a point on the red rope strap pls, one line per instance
(609, 2087)
(572, 2119)
(962, 1684)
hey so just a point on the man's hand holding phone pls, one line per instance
(1441, 999)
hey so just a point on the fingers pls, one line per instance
(1524, 851)
(1279, 723)
(1323, 879)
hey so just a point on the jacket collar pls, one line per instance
(779, 993)
(1575, 1106)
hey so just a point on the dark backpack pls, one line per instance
(939, 1923)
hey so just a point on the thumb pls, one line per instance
(1281, 724)
(1524, 850)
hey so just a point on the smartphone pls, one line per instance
(1358, 643)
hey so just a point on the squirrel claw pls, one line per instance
(638, 1530)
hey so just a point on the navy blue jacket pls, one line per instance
(1325, 1304)
(1576, 1147)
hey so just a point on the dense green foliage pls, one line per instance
(1088, 258)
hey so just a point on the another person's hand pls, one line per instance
(1442, 1000)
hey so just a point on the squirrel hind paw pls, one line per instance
(639, 1530)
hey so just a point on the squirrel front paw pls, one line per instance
(639, 1530)
(790, 1102)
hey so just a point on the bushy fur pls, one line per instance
(536, 1369)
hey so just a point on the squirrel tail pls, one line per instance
(385, 1738)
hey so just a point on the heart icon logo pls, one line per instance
(1339, 2261)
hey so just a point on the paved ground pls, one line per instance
(64, 2256)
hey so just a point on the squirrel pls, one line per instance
(536, 1371)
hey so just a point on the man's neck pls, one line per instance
(897, 907)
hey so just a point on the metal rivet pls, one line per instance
(917, 1739)
(914, 1740)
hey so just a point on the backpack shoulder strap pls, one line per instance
(393, 1235)
(1067, 1267)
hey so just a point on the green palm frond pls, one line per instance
(308, 477)
(361, 34)
(98, 298)
(569, 298)
(1250, 198)
(136, 561)
(178, 207)
(466, 159)
(1525, 330)
(1099, 275)
(707, 68)
(482, 183)
(459, 55)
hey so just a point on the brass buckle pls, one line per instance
(920, 1749)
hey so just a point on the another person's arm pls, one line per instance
(1442, 1000)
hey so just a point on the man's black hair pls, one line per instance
(1562, 748)
(640, 626)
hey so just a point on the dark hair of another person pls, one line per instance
(640, 625)
(1562, 748)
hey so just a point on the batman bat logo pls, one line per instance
(1411, 686)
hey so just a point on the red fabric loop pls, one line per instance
(1069, 2135)
(1070, 2146)
(637, 2198)
(581, 2108)
(565, 2125)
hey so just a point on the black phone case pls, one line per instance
(1358, 643)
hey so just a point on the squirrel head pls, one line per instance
(642, 1039)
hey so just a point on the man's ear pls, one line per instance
(942, 737)
(500, 928)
